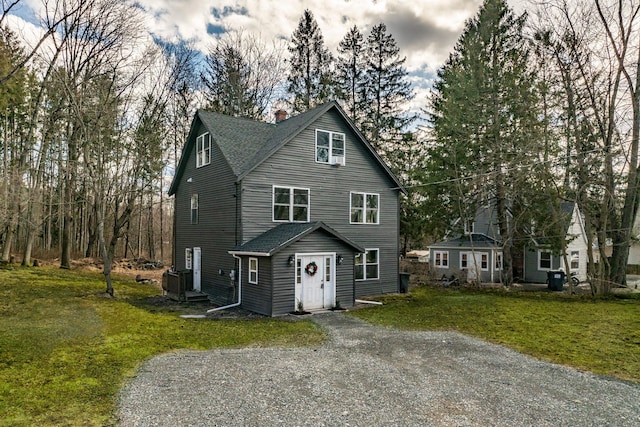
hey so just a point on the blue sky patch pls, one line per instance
(228, 10)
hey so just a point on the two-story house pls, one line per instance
(477, 254)
(302, 213)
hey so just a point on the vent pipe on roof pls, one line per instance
(281, 115)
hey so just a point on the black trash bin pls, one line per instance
(555, 280)
(404, 282)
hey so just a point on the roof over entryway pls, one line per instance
(274, 240)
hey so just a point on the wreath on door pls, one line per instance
(311, 268)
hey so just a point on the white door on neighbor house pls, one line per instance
(476, 260)
(197, 269)
(316, 284)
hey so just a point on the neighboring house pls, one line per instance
(417, 256)
(478, 253)
(273, 217)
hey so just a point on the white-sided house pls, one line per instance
(634, 245)
(540, 259)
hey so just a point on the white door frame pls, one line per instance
(197, 269)
(328, 280)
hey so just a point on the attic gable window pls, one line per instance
(203, 150)
(290, 204)
(329, 147)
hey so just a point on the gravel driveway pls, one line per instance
(372, 376)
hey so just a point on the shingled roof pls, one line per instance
(246, 143)
(472, 240)
(281, 236)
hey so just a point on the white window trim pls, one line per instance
(571, 259)
(364, 208)
(462, 254)
(291, 205)
(252, 271)
(467, 229)
(206, 148)
(540, 268)
(188, 259)
(435, 259)
(364, 264)
(484, 254)
(498, 261)
(195, 208)
(331, 133)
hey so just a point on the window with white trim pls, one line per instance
(498, 264)
(544, 260)
(194, 208)
(253, 271)
(441, 259)
(329, 147)
(365, 208)
(464, 260)
(575, 260)
(188, 258)
(290, 204)
(367, 265)
(484, 261)
(203, 150)
(469, 227)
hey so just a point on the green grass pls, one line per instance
(66, 350)
(598, 335)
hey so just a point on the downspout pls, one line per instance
(235, 304)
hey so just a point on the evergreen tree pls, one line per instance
(387, 94)
(484, 119)
(310, 77)
(351, 73)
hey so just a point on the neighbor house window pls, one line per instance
(498, 265)
(544, 260)
(469, 227)
(367, 265)
(188, 259)
(253, 271)
(365, 208)
(203, 150)
(194, 208)
(329, 147)
(575, 260)
(464, 260)
(290, 204)
(441, 259)
(484, 261)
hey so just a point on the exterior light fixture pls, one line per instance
(340, 259)
(291, 260)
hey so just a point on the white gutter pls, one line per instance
(235, 304)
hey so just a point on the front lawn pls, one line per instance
(66, 350)
(598, 335)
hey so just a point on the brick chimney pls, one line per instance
(281, 115)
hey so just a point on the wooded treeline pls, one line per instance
(528, 111)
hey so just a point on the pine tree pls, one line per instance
(351, 73)
(484, 118)
(310, 77)
(388, 92)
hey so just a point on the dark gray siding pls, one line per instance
(258, 297)
(215, 232)
(330, 186)
(285, 275)
(531, 272)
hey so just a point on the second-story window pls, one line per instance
(290, 204)
(203, 150)
(329, 147)
(365, 208)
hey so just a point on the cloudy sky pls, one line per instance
(425, 30)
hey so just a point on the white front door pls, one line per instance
(316, 287)
(475, 265)
(197, 270)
